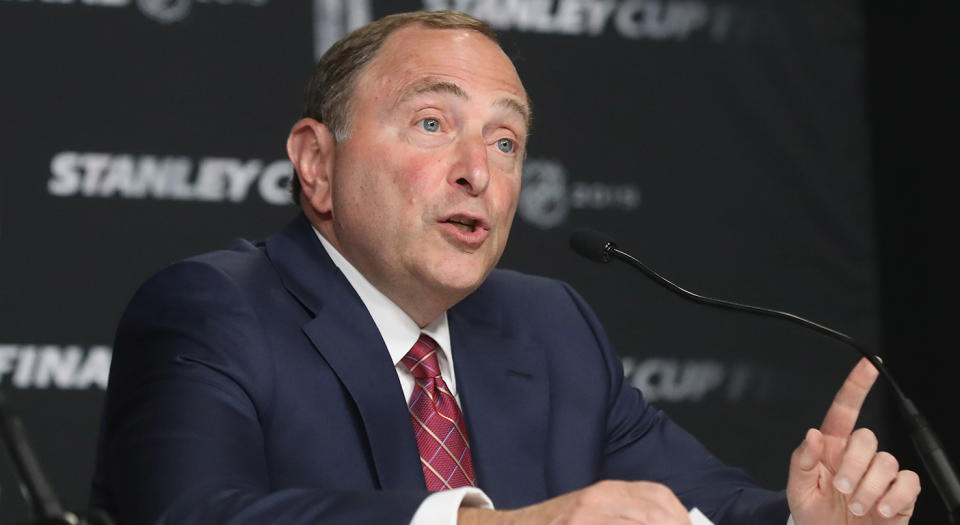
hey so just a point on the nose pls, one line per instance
(471, 172)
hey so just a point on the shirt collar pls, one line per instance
(398, 330)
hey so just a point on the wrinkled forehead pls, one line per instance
(429, 84)
(414, 53)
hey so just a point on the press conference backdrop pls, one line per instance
(724, 142)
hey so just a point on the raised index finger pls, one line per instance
(843, 412)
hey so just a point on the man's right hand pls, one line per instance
(603, 503)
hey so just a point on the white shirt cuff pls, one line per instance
(440, 508)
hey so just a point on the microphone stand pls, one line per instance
(925, 441)
(36, 490)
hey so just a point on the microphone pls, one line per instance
(601, 248)
(34, 486)
(592, 244)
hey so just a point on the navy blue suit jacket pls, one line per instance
(251, 386)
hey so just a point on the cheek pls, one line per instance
(416, 177)
(505, 164)
(399, 198)
(507, 193)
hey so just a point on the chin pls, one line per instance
(458, 279)
(461, 285)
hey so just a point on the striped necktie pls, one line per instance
(438, 425)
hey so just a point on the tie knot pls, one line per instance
(421, 360)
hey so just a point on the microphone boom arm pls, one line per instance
(925, 441)
(767, 312)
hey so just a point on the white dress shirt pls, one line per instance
(399, 333)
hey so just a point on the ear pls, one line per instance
(312, 151)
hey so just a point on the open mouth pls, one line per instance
(464, 224)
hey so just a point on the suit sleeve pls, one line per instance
(643, 443)
(181, 440)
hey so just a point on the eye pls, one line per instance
(506, 145)
(430, 124)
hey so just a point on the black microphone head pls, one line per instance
(592, 244)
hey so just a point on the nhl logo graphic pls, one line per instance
(166, 11)
(543, 199)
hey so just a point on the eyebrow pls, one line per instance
(515, 105)
(434, 85)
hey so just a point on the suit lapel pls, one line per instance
(501, 382)
(503, 389)
(346, 337)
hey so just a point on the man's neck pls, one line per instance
(421, 306)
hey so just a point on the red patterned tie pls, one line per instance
(437, 422)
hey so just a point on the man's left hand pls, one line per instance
(837, 476)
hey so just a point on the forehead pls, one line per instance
(465, 58)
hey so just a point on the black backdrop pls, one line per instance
(745, 149)
(914, 137)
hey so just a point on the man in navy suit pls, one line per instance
(369, 351)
